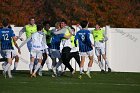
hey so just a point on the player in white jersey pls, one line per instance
(38, 44)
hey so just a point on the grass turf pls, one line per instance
(99, 83)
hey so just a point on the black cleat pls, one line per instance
(102, 71)
(109, 70)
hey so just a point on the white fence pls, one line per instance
(122, 48)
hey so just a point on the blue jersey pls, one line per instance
(6, 35)
(55, 42)
(83, 37)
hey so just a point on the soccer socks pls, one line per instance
(101, 65)
(106, 62)
(37, 67)
(62, 67)
(31, 67)
(15, 65)
(7, 67)
(88, 70)
(9, 72)
(48, 64)
(81, 70)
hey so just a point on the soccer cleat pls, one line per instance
(40, 73)
(102, 71)
(33, 75)
(73, 72)
(109, 70)
(54, 75)
(4, 74)
(80, 76)
(10, 76)
(82, 73)
(88, 74)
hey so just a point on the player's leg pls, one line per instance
(98, 54)
(82, 64)
(16, 62)
(66, 62)
(90, 56)
(77, 57)
(106, 62)
(9, 57)
(39, 57)
(53, 67)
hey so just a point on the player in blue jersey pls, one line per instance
(55, 48)
(85, 41)
(6, 37)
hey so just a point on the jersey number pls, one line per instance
(5, 36)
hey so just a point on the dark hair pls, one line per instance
(63, 20)
(5, 22)
(72, 28)
(39, 27)
(31, 18)
(83, 23)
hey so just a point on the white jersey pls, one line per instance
(38, 41)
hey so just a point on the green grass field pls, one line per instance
(99, 83)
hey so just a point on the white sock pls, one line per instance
(62, 67)
(9, 72)
(31, 67)
(40, 69)
(54, 70)
(106, 62)
(7, 67)
(101, 65)
(88, 69)
(3, 65)
(15, 65)
(81, 70)
(48, 64)
(37, 67)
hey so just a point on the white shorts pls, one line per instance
(99, 51)
(36, 54)
(89, 53)
(7, 53)
(54, 53)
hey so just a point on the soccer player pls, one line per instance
(99, 39)
(85, 41)
(47, 32)
(74, 53)
(55, 48)
(65, 42)
(6, 37)
(38, 44)
(29, 30)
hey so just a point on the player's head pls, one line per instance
(46, 25)
(39, 27)
(73, 30)
(63, 23)
(5, 22)
(57, 25)
(97, 26)
(32, 20)
(84, 23)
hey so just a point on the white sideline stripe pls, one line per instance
(116, 84)
(71, 83)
